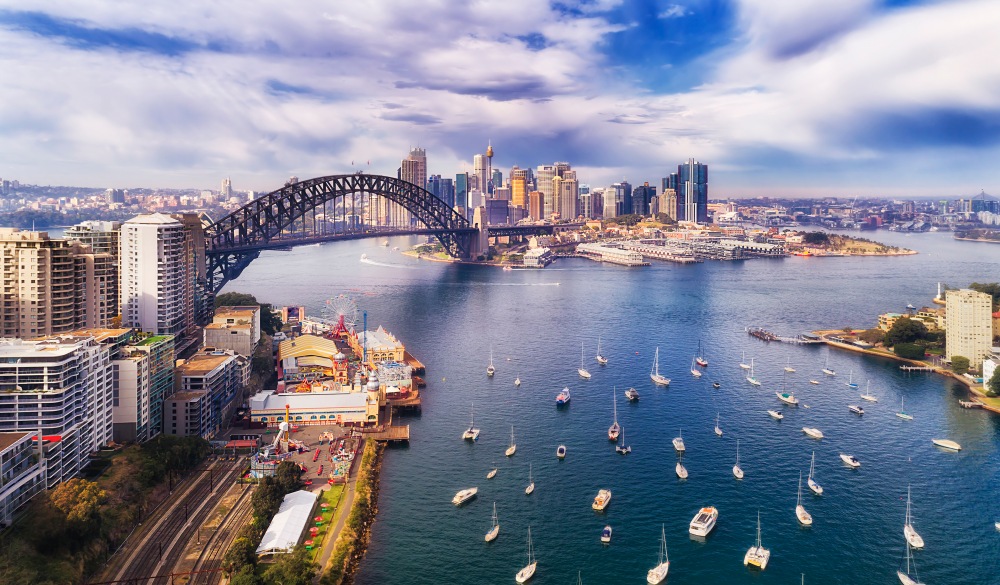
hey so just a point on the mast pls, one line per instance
(614, 402)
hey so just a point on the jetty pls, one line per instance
(386, 433)
(907, 368)
(970, 404)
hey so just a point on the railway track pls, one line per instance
(208, 569)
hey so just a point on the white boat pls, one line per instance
(737, 470)
(787, 398)
(364, 257)
(531, 483)
(680, 470)
(495, 529)
(805, 518)
(856, 409)
(788, 366)
(657, 574)
(472, 433)
(810, 481)
(909, 531)
(694, 368)
(601, 500)
(493, 472)
(814, 382)
(582, 370)
(508, 268)
(850, 460)
(902, 412)
(679, 442)
(776, 414)
(716, 384)
(513, 446)
(850, 383)
(753, 380)
(517, 380)
(563, 397)
(385, 243)
(700, 359)
(826, 368)
(910, 576)
(654, 372)
(704, 521)
(743, 362)
(813, 432)
(996, 525)
(757, 555)
(490, 370)
(615, 428)
(947, 444)
(606, 534)
(632, 394)
(621, 448)
(600, 356)
(528, 571)
(868, 394)
(718, 431)
(464, 496)
(561, 451)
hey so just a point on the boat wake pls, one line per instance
(385, 264)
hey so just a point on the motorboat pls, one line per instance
(737, 470)
(856, 409)
(680, 470)
(601, 500)
(704, 521)
(757, 555)
(606, 534)
(814, 382)
(632, 394)
(679, 442)
(699, 359)
(909, 531)
(508, 268)
(464, 496)
(513, 446)
(657, 574)
(563, 397)
(472, 433)
(495, 528)
(600, 356)
(805, 518)
(517, 380)
(812, 432)
(715, 384)
(531, 483)
(776, 414)
(787, 398)
(850, 460)
(582, 370)
(525, 574)
(947, 444)
(902, 412)
(812, 483)
(654, 372)
(615, 429)
(364, 257)
(561, 451)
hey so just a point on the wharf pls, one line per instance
(417, 365)
(762, 334)
(970, 404)
(390, 434)
(665, 253)
(917, 368)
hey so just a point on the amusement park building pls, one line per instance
(377, 346)
(315, 408)
(310, 356)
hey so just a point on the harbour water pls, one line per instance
(450, 316)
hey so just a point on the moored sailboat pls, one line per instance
(902, 412)
(657, 574)
(757, 555)
(600, 356)
(531, 483)
(694, 368)
(826, 368)
(525, 574)
(910, 576)
(471, 433)
(615, 428)
(812, 483)
(718, 430)
(743, 362)
(751, 378)
(912, 537)
(679, 442)
(737, 470)
(490, 370)
(654, 372)
(805, 518)
(582, 370)
(788, 366)
(495, 529)
(868, 394)
(850, 381)
(699, 358)
(621, 448)
(513, 446)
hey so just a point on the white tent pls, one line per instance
(288, 524)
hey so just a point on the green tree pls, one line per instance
(294, 568)
(992, 289)
(270, 323)
(993, 384)
(905, 330)
(80, 500)
(241, 554)
(872, 336)
(246, 576)
(816, 238)
(266, 499)
(289, 476)
(664, 218)
(959, 364)
(909, 351)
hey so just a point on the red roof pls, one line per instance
(241, 444)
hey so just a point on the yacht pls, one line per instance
(947, 444)
(737, 470)
(464, 496)
(679, 442)
(582, 370)
(813, 432)
(718, 430)
(816, 382)
(743, 362)
(757, 555)
(492, 473)
(525, 574)
(812, 483)
(495, 529)
(909, 532)
(787, 398)
(788, 366)
(751, 378)
(805, 518)
(680, 470)
(704, 521)
(606, 534)
(602, 500)
(615, 428)
(490, 370)
(513, 446)
(699, 359)
(654, 372)
(531, 483)
(826, 368)
(694, 368)
(621, 448)
(850, 460)
(632, 394)
(902, 413)
(850, 383)
(776, 414)
(561, 451)
(657, 574)
(856, 409)
(472, 433)
(906, 578)
(600, 356)
(563, 397)
(868, 394)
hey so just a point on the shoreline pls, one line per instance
(977, 240)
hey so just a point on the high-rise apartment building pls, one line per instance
(668, 203)
(154, 286)
(226, 190)
(144, 372)
(968, 325)
(692, 191)
(101, 236)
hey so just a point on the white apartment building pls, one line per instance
(234, 328)
(968, 325)
(22, 474)
(153, 273)
(208, 386)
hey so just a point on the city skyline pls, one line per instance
(798, 99)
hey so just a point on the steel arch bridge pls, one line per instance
(289, 217)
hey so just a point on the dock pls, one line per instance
(391, 434)
(906, 368)
(762, 334)
(970, 404)
(417, 365)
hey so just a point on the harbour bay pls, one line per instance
(449, 316)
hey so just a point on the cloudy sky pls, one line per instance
(778, 97)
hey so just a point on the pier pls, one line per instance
(765, 335)
(906, 368)
(392, 434)
(417, 365)
(970, 404)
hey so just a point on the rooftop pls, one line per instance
(202, 363)
(268, 400)
(153, 219)
(307, 345)
(245, 312)
(153, 339)
(102, 334)
(8, 439)
(288, 524)
(185, 396)
(49, 347)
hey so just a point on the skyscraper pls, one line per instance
(692, 178)
(641, 197)
(227, 189)
(968, 325)
(520, 186)
(413, 169)
(462, 192)
(479, 164)
(536, 205)
(568, 193)
(623, 198)
(152, 284)
(545, 174)
(443, 189)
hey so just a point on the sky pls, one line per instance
(779, 97)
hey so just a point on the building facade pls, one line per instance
(221, 377)
(234, 328)
(968, 325)
(22, 472)
(692, 178)
(153, 287)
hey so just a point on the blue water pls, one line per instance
(449, 316)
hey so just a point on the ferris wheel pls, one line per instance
(343, 311)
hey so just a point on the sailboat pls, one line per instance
(812, 483)
(490, 370)
(472, 433)
(657, 574)
(737, 470)
(615, 428)
(785, 396)
(743, 362)
(718, 431)
(529, 570)
(868, 395)
(909, 532)
(679, 442)
(513, 446)
(788, 366)
(850, 381)
(699, 359)
(600, 356)
(531, 483)
(826, 368)
(493, 471)
(582, 370)
(910, 576)
(902, 413)
(654, 373)
(804, 517)
(751, 377)
(694, 368)
(681, 471)
(757, 555)
(622, 448)
(495, 529)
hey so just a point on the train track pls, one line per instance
(208, 569)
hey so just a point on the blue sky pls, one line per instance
(778, 97)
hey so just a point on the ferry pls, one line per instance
(704, 521)
(464, 496)
(602, 500)
(563, 397)
(947, 444)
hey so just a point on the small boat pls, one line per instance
(632, 394)
(517, 380)
(996, 525)
(788, 366)
(909, 532)
(718, 431)
(615, 428)
(910, 576)
(679, 442)
(364, 257)
(513, 446)
(492, 473)
(805, 518)
(776, 414)
(657, 574)
(472, 433)
(826, 368)
(813, 432)
(737, 470)
(694, 368)
(757, 555)
(495, 529)
(654, 372)
(464, 496)
(680, 470)
(561, 451)
(582, 370)
(601, 500)
(563, 397)
(385, 243)
(814, 382)
(531, 483)
(947, 444)
(490, 370)
(525, 574)
(753, 380)
(395, 248)
(715, 384)
(850, 384)
(787, 398)
(606, 534)
(868, 395)
(812, 483)
(699, 359)
(621, 448)
(600, 356)
(902, 413)
(743, 362)
(704, 521)
(507, 268)
(850, 460)
(856, 409)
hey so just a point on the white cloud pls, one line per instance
(673, 11)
